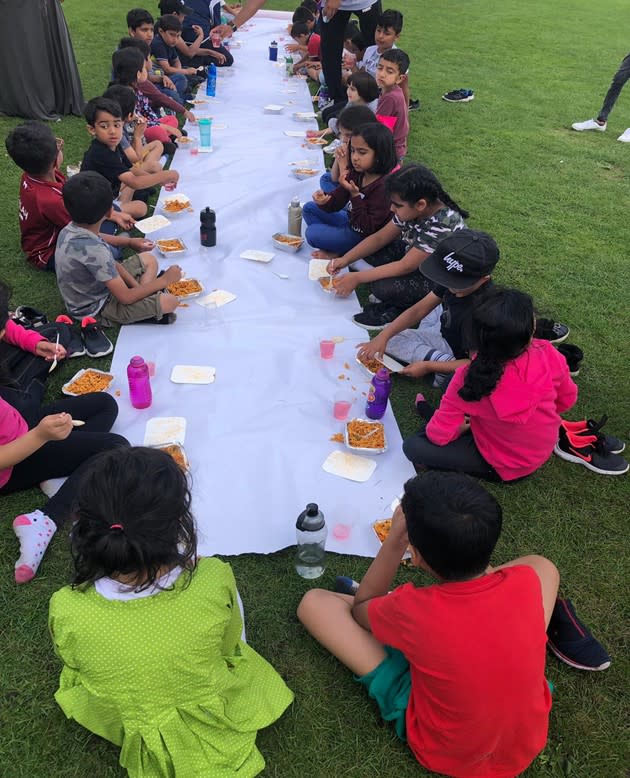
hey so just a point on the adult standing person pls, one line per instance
(335, 17)
(41, 79)
(600, 123)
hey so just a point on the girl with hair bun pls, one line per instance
(500, 415)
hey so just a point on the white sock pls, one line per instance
(34, 530)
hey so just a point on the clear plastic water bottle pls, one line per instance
(139, 383)
(288, 64)
(378, 394)
(311, 532)
(211, 83)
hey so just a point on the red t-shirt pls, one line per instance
(313, 45)
(479, 703)
(42, 216)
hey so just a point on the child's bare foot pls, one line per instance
(321, 254)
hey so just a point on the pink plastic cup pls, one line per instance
(341, 531)
(341, 409)
(326, 349)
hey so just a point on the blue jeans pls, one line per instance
(170, 93)
(329, 231)
(181, 85)
(326, 184)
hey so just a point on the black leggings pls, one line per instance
(399, 291)
(460, 455)
(70, 457)
(333, 34)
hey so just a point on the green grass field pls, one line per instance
(557, 203)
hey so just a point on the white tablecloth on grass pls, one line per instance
(257, 437)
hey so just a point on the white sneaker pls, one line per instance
(589, 124)
(625, 136)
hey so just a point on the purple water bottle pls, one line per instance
(378, 394)
(139, 383)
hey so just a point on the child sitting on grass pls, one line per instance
(133, 142)
(457, 666)
(34, 149)
(90, 282)
(309, 43)
(141, 26)
(350, 119)
(170, 679)
(40, 442)
(146, 88)
(199, 51)
(500, 415)
(424, 214)
(106, 156)
(392, 107)
(130, 69)
(168, 30)
(361, 187)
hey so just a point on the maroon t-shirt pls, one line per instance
(42, 216)
(393, 104)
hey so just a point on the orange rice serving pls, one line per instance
(175, 206)
(371, 364)
(184, 287)
(177, 453)
(90, 381)
(365, 434)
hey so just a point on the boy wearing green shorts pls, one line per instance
(94, 286)
(457, 666)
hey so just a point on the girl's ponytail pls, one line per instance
(499, 330)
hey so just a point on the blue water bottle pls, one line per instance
(211, 83)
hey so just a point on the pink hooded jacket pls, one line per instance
(516, 426)
(12, 425)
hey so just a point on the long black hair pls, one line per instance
(416, 182)
(499, 330)
(381, 141)
(133, 518)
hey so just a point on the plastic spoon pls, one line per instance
(54, 362)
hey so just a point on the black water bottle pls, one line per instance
(208, 228)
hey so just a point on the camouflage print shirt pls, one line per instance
(83, 264)
(425, 234)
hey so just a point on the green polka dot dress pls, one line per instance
(167, 677)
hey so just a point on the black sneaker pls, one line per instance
(75, 347)
(573, 355)
(553, 331)
(612, 444)
(97, 344)
(167, 318)
(459, 96)
(571, 641)
(414, 105)
(376, 316)
(346, 585)
(589, 450)
(29, 317)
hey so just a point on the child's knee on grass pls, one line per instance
(548, 575)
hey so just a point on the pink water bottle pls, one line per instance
(139, 383)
